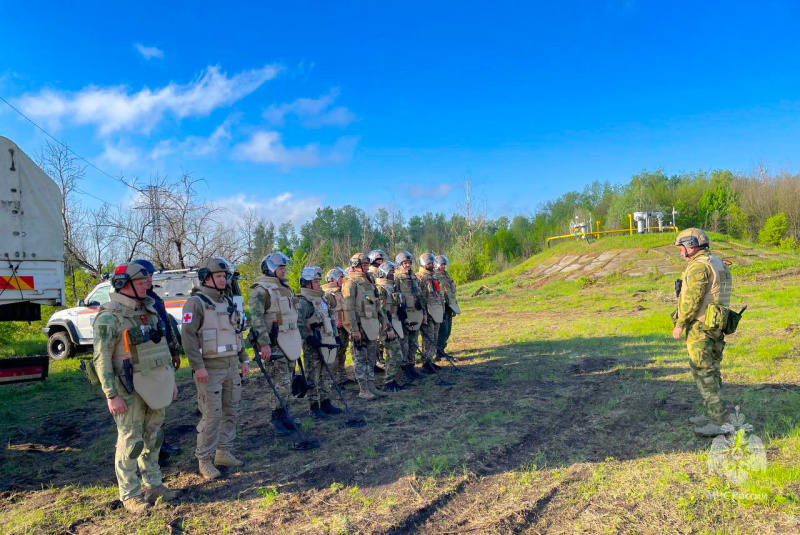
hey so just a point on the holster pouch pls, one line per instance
(87, 365)
(732, 322)
(716, 317)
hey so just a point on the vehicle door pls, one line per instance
(87, 314)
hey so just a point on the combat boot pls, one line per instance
(410, 374)
(392, 386)
(208, 470)
(699, 420)
(276, 424)
(226, 458)
(316, 412)
(153, 494)
(365, 392)
(136, 505)
(709, 430)
(375, 390)
(328, 407)
(428, 368)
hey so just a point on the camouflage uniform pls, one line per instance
(139, 433)
(704, 347)
(406, 282)
(448, 286)
(368, 318)
(431, 292)
(280, 369)
(316, 373)
(333, 297)
(394, 351)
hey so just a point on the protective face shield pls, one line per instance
(386, 269)
(377, 254)
(440, 261)
(273, 261)
(129, 272)
(348, 271)
(692, 237)
(335, 274)
(358, 259)
(310, 273)
(215, 265)
(427, 259)
(401, 257)
(147, 265)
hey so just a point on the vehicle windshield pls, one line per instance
(99, 296)
(176, 286)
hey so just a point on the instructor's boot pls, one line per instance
(365, 392)
(316, 412)
(392, 386)
(428, 368)
(226, 458)
(699, 420)
(329, 408)
(153, 494)
(136, 505)
(208, 470)
(375, 390)
(709, 430)
(276, 424)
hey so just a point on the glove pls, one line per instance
(339, 341)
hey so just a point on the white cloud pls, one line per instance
(115, 108)
(149, 52)
(419, 191)
(279, 209)
(314, 112)
(120, 154)
(197, 145)
(265, 146)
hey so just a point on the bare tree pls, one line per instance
(473, 212)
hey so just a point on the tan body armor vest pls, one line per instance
(283, 312)
(220, 338)
(434, 295)
(407, 284)
(321, 315)
(153, 375)
(394, 300)
(366, 304)
(333, 289)
(448, 286)
(721, 286)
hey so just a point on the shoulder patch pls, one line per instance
(187, 317)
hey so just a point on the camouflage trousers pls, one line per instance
(364, 359)
(430, 336)
(316, 374)
(705, 357)
(139, 438)
(338, 367)
(409, 345)
(280, 371)
(218, 401)
(444, 329)
(393, 358)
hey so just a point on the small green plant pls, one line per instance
(269, 494)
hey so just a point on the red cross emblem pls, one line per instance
(187, 318)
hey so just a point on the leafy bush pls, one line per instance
(788, 243)
(774, 229)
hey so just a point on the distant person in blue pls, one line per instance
(173, 341)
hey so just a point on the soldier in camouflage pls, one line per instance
(376, 258)
(333, 297)
(273, 315)
(451, 308)
(366, 321)
(705, 287)
(407, 284)
(317, 324)
(215, 349)
(134, 366)
(432, 294)
(393, 306)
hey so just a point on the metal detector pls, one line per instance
(441, 381)
(304, 442)
(440, 351)
(352, 421)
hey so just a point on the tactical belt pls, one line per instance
(152, 363)
(229, 347)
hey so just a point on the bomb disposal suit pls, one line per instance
(408, 285)
(451, 308)
(133, 362)
(434, 300)
(335, 301)
(704, 302)
(213, 343)
(393, 306)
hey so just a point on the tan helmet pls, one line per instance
(213, 265)
(358, 259)
(128, 272)
(692, 237)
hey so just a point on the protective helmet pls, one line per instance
(334, 275)
(273, 261)
(358, 259)
(348, 271)
(376, 254)
(146, 264)
(213, 265)
(310, 273)
(426, 259)
(401, 257)
(386, 268)
(692, 237)
(128, 272)
(441, 260)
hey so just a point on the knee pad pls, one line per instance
(135, 450)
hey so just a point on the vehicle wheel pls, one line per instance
(59, 346)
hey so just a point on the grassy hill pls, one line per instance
(568, 415)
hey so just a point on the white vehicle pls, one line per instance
(69, 331)
(31, 237)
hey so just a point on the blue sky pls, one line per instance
(287, 108)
